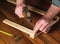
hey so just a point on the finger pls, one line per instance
(37, 26)
(37, 22)
(36, 29)
(18, 11)
(46, 29)
(43, 26)
(21, 16)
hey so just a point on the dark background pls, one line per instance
(40, 4)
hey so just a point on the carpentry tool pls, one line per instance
(9, 34)
(17, 38)
(27, 14)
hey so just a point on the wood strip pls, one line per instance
(19, 27)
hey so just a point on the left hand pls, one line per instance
(42, 25)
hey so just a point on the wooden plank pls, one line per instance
(19, 27)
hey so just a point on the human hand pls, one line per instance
(42, 25)
(19, 11)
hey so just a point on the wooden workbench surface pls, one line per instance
(7, 11)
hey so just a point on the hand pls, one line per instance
(42, 25)
(19, 11)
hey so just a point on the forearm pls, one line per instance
(19, 2)
(52, 12)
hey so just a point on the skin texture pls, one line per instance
(19, 8)
(18, 11)
(43, 23)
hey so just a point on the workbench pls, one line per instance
(7, 12)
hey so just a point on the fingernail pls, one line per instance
(44, 32)
(33, 31)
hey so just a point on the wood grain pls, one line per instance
(53, 37)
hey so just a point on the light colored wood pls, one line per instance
(54, 21)
(19, 27)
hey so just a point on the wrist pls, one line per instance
(20, 5)
(46, 19)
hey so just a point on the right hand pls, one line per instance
(19, 11)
